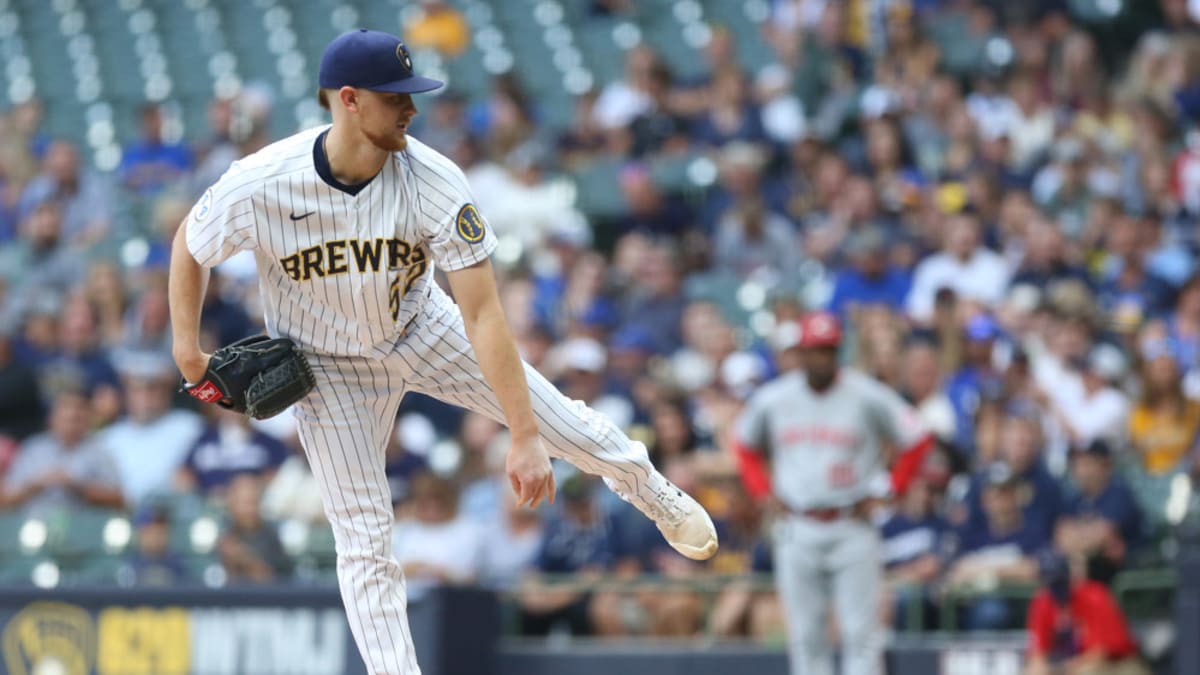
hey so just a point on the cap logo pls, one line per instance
(402, 55)
(821, 326)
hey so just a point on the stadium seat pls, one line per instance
(98, 570)
(20, 571)
(10, 532)
(596, 184)
(81, 534)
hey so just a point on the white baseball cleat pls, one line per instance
(684, 523)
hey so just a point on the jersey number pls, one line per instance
(841, 475)
(407, 278)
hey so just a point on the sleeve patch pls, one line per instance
(469, 224)
(204, 206)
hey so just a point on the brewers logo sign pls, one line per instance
(50, 637)
(47, 638)
(470, 224)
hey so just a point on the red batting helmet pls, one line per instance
(819, 329)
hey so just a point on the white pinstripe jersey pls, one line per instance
(340, 273)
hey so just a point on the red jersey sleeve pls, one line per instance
(1040, 623)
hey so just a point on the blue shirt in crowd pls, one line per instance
(1025, 541)
(1115, 504)
(852, 287)
(907, 539)
(215, 458)
(1040, 494)
(569, 546)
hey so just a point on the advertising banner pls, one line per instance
(226, 632)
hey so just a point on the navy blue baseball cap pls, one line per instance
(371, 59)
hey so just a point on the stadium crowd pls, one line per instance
(998, 199)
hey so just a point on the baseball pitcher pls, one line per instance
(347, 223)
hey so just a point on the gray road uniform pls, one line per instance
(825, 450)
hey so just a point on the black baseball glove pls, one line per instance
(257, 376)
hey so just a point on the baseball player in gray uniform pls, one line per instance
(347, 223)
(815, 441)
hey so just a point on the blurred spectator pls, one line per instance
(81, 362)
(216, 152)
(444, 126)
(152, 440)
(579, 539)
(655, 299)
(437, 546)
(484, 447)
(625, 98)
(227, 447)
(1164, 424)
(84, 198)
(148, 320)
(1128, 291)
(975, 381)
(890, 164)
(914, 544)
(658, 130)
(1091, 407)
(152, 562)
(403, 465)
(1101, 519)
(668, 611)
(249, 547)
(38, 338)
(224, 319)
(673, 434)
(27, 117)
(741, 608)
(292, 493)
(1075, 626)
(1039, 496)
(730, 114)
(1030, 124)
(707, 340)
(752, 240)
(65, 467)
(650, 209)
(585, 137)
(510, 544)
(1166, 257)
(1002, 549)
(152, 163)
(105, 290)
(20, 397)
(1044, 260)
(921, 385)
(963, 265)
(1183, 326)
(440, 27)
(868, 278)
(581, 363)
(39, 260)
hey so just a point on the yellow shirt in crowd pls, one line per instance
(1161, 439)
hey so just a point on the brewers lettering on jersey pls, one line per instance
(347, 224)
(821, 435)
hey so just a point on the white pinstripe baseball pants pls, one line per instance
(344, 427)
